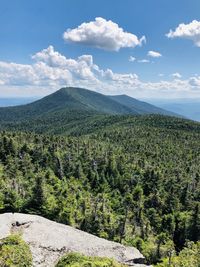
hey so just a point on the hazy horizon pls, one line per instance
(189, 108)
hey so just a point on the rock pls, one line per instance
(49, 241)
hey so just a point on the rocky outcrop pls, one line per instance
(49, 240)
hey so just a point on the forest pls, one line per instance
(131, 179)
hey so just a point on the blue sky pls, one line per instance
(29, 27)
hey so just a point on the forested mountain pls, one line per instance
(65, 100)
(140, 107)
(126, 177)
(69, 110)
(70, 100)
(132, 179)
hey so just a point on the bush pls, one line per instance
(188, 257)
(78, 260)
(14, 252)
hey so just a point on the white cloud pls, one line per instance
(177, 75)
(132, 59)
(81, 67)
(16, 74)
(103, 34)
(51, 70)
(154, 54)
(143, 61)
(194, 82)
(128, 78)
(51, 57)
(189, 31)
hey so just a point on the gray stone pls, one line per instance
(49, 240)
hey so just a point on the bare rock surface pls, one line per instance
(49, 240)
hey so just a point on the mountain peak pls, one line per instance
(69, 101)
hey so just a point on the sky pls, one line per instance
(143, 48)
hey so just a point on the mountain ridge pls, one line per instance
(142, 107)
(72, 110)
(70, 99)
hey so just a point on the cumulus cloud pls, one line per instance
(51, 70)
(189, 31)
(176, 75)
(51, 57)
(103, 34)
(129, 78)
(81, 67)
(154, 54)
(16, 74)
(132, 59)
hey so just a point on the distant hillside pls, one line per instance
(16, 101)
(189, 110)
(65, 100)
(140, 107)
(71, 109)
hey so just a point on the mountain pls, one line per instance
(73, 111)
(189, 109)
(83, 159)
(65, 100)
(71, 102)
(140, 107)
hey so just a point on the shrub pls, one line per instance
(188, 257)
(14, 252)
(78, 260)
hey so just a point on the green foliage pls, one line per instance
(78, 260)
(67, 100)
(123, 178)
(188, 257)
(139, 106)
(14, 252)
(70, 108)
